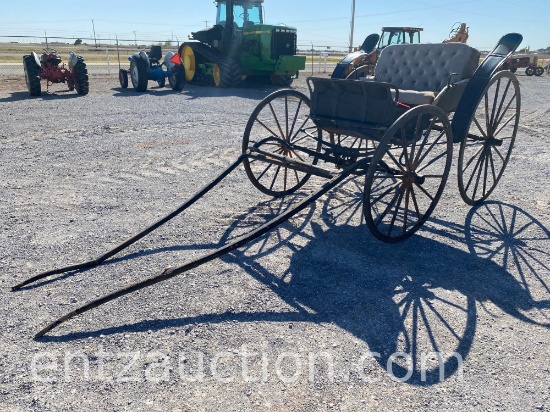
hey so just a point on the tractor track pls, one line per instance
(230, 74)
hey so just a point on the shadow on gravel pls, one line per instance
(414, 303)
(18, 96)
(253, 91)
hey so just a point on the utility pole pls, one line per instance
(206, 23)
(135, 38)
(352, 26)
(95, 41)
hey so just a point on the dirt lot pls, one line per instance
(317, 316)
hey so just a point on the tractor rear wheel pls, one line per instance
(138, 73)
(32, 75)
(177, 78)
(280, 80)
(81, 81)
(123, 78)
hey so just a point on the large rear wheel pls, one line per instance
(280, 125)
(485, 151)
(407, 173)
(138, 73)
(81, 81)
(32, 75)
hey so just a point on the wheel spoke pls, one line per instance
(479, 127)
(295, 117)
(274, 178)
(425, 191)
(267, 128)
(429, 149)
(277, 121)
(432, 161)
(395, 212)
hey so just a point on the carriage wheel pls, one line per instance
(280, 124)
(361, 72)
(485, 152)
(407, 173)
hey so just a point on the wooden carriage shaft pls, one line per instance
(136, 237)
(169, 273)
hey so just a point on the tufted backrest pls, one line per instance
(425, 67)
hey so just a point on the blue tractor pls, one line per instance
(147, 66)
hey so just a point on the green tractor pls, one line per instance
(240, 45)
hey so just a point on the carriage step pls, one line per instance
(279, 160)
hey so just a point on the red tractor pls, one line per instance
(48, 66)
(529, 61)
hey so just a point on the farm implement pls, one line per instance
(398, 138)
(48, 66)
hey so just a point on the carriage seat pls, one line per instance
(422, 71)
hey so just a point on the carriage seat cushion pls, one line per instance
(414, 98)
(421, 71)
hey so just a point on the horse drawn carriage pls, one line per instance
(397, 130)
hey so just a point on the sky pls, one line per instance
(321, 23)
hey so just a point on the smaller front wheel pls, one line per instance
(529, 71)
(177, 78)
(280, 80)
(123, 78)
(539, 71)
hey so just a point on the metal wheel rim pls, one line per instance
(188, 59)
(134, 74)
(216, 75)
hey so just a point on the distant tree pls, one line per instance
(77, 42)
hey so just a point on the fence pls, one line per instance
(102, 56)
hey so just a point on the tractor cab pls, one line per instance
(399, 35)
(245, 13)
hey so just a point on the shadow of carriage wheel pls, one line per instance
(520, 244)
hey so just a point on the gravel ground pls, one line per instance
(316, 316)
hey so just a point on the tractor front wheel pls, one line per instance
(226, 73)
(539, 71)
(529, 71)
(177, 78)
(138, 73)
(280, 80)
(32, 75)
(81, 81)
(123, 78)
